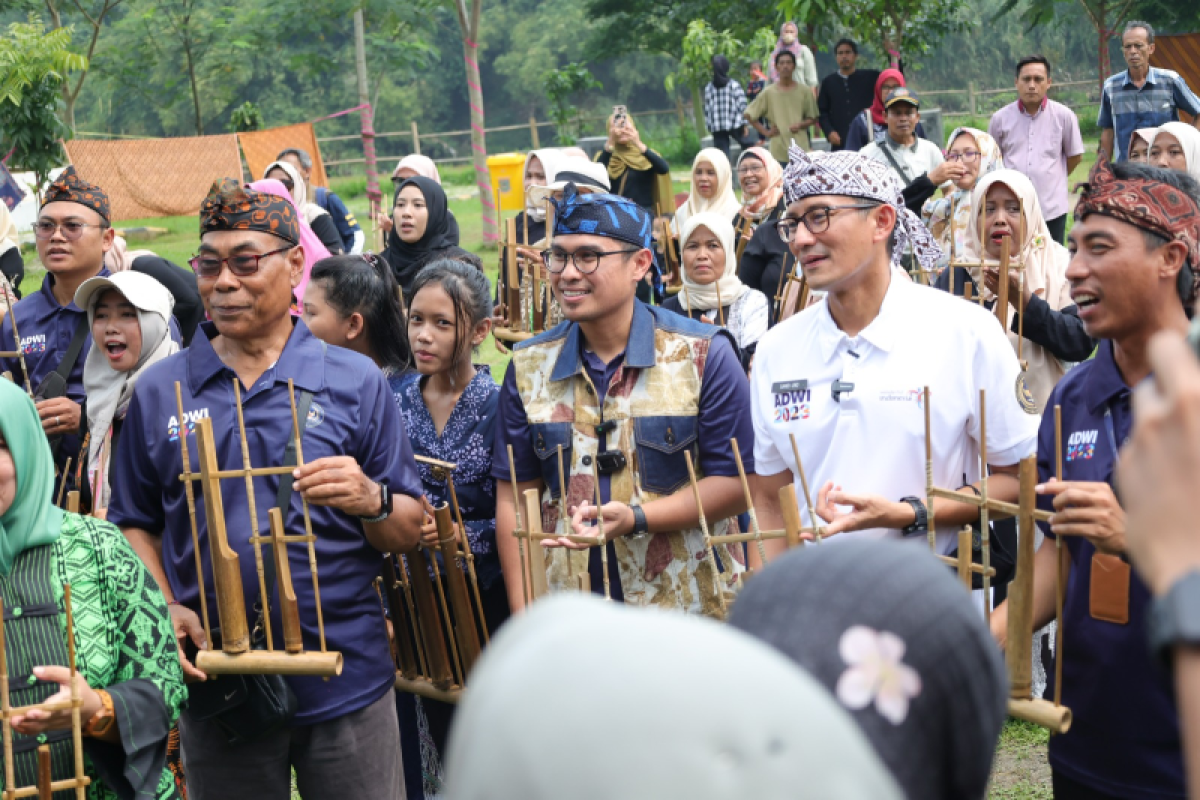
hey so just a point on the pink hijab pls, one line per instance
(422, 165)
(314, 251)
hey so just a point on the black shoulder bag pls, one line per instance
(249, 707)
(55, 384)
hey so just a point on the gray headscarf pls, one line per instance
(897, 640)
(593, 701)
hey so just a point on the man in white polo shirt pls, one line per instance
(845, 376)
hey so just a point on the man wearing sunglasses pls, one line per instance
(1040, 138)
(624, 392)
(73, 234)
(357, 475)
(845, 377)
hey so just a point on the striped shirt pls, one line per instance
(1125, 108)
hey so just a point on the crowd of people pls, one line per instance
(790, 348)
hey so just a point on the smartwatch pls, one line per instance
(921, 523)
(1174, 618)
(385, 505)
(640, 527)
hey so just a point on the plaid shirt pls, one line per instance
(723, 107)
(1126, 108)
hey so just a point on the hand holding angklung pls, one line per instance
(338, 482)
(37, 720)
(1087, 509)
(866, 511)
(187, 627)
(59, 415)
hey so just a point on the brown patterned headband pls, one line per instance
(71, 188)
(231, 207)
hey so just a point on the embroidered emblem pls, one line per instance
(316, 415)
(1025, 397)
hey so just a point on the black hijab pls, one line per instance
(407, 258)
(720, 66)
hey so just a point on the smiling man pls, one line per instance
(73, 234)
(845, 376)
(1135, 243)
(360, 481)
(625, 390)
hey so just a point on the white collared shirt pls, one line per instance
(872, 441)
(921, 158)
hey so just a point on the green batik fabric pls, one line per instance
(123, 640)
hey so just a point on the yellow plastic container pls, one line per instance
(508, 180)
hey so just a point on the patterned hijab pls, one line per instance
(32, 520)
(756, 207)
(957, 206)
(853, 175)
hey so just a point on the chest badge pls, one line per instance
(1025, 397)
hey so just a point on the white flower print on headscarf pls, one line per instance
(876, 673)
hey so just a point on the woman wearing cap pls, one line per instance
(711, 289)
(128, 665)
(180, 282)
(712, 189)
(129, 314)
(317, 218)
(979, 154)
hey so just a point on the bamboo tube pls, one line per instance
(406, 656)
(270, 662)
(289, 610)
(312, 550)
(812, 514)
(24, 369)
(73, 502)
(62, 486)
(1060, 585)
(791, 514)
(1055, 718)
(516, 494)
(425, 688)
(538, 587)
(964, 556)
(226, 474)
(1018, 652)
(513, 277)
(470, 559)
(460, 599)
(227, 576)
(783, 270)
(430, 624)
(999, 509)
(448, 628)
(737, 456)
(264, 591)
(418, 631)
(45, 775)
(985, 527)
(709, 547)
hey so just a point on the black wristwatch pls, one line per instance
(640, 527)
(385, 505)
(921, 523)
(1175, 618)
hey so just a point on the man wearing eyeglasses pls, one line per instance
(1040, 138)
(358, 477)
(845, 377)
(625, 390)
(73, 234)
(1141, 96)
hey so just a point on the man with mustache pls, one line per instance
(1135, 243)
(846, 376)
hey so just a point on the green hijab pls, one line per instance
(32, 520)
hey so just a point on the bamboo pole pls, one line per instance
(227, 576)
(538, 586)
(1060, 585)
(80, 780)
(1018, 651)
(62, 486)
(289, 610)
(190, 493)
(516, 494)
(929, 488)
(709, 548)
(985, 527)
(737, 456)
(20, 354)
(460, 599)
(264, 591)
(812, 514)
(470, 558)
(312, 550)
(1001, 309)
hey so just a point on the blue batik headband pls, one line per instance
(602, 215)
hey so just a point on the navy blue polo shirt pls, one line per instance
(352, 414)
(1125, 738)
(723, 411)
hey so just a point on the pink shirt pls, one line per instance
(1039, 147)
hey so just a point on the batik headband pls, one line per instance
(71, 188)
(231, 207)
(852, 175)
(602, 215)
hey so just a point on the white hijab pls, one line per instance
(109, 391)
(598, 701)
(1189, 139)
(724, 202)
(299, 190)
(551, 160)
(696, 296)
(1045, 263)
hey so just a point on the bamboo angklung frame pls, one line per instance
(1018, 652)
(236, 656)
(45, 786)
(18, 354)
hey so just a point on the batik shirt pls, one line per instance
(124, 644)
(467, 442)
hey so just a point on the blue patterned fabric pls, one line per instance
(603, 215)
(466, 441)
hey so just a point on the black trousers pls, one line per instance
(1067, 789)
(1058, 228)
(13, 267)
(721, 139)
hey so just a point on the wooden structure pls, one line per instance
(1180, 52)
(18, 354)
(438, 624)
(237, 655)
(1018, 653)
(46, 785)
(526, 301)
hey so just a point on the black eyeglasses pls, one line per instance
(966, 156)
(816, 220)
(586, 261)
(71, 229)
(242, 265)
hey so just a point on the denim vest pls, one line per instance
(653, 402)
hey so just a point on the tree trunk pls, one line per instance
(483, 179)
(374, 196)
(68, 109)
(698, 113)
(191, 69)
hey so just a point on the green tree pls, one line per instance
(561, 86)
(895, 28)
(34, 64)
(700, 44)
(94, 15)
